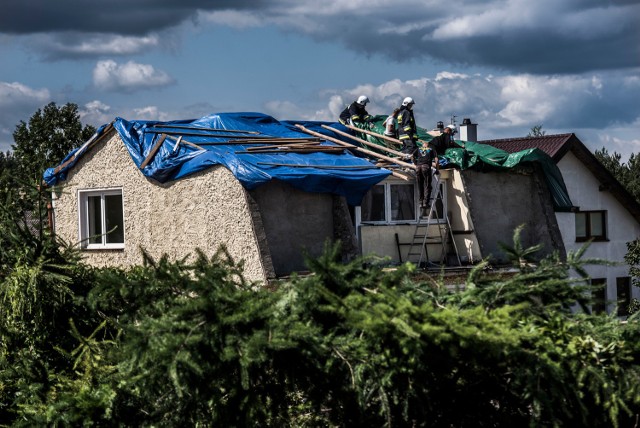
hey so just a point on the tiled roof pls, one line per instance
(550, 144)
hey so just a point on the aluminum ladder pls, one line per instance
(421, 237)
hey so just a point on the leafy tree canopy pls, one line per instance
(628, 174)
(52, 132)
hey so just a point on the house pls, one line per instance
(271, 191)
(486, 194)
(603, 212)
(264, 189)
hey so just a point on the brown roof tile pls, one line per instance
(550, 144)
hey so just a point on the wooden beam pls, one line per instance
(195, 134)
(319, 166)
(375, 134)
(158, 125)
(294, 145)
(275, 140)
(404, 177)
(183, 141)
(360, 149)
(153, 151)
(360, 140)
(325, 149)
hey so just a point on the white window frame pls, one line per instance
(387, 204)
(83, 219)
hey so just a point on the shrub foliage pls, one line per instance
(191, 343)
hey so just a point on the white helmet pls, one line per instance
(451, 127)
(408, 101)
(363, 100)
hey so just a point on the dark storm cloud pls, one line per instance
(541, 37)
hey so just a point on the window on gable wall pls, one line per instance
(395, 202)
(591, 225)
(101, 219)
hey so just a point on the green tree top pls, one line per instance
(628, 174)
(48, 137)
(536, 131)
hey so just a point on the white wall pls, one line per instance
(583, 190)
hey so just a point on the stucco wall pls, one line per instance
(583, 188)
(200, 211)
(501, 201)
(294, 221)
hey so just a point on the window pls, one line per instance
(373, 204)
(623, 286)
(599, 295)
(591, 225)
(403, 202)
(396, 202)
(101, 219)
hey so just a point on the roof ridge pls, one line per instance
(541, 137)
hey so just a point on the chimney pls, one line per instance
(468, 130)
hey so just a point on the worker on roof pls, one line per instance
(390, 128)
(355, 113)
(445, 140)
(407, 131)
(426, 160)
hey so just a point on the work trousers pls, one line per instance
(424, 182)
(409, 146)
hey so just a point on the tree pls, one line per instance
(48, 137)
(536, 131)
(628, 174)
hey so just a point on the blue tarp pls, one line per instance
(342, 174)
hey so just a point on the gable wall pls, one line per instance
(199, 211)
(501, 201)
(582, 186)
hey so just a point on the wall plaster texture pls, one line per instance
(202, 211)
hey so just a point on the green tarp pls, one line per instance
(484, 157)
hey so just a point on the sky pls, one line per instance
(508, 65)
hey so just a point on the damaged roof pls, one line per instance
(255, 147)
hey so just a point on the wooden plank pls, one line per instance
(203, 129)
(153, 151)
(195, 134)
(375, 134)
(293, 165)
(183, 141)
(360, 140)
(294, 145)
(360, 149)
(332, 150)
(402, 176)
(275, 140)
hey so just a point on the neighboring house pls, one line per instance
(172, 187)
(603, 211)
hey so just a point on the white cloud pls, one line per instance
(18, 102)
(15, 93)
(95, 113)
(130, 76)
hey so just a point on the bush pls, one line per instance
(175, 343)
